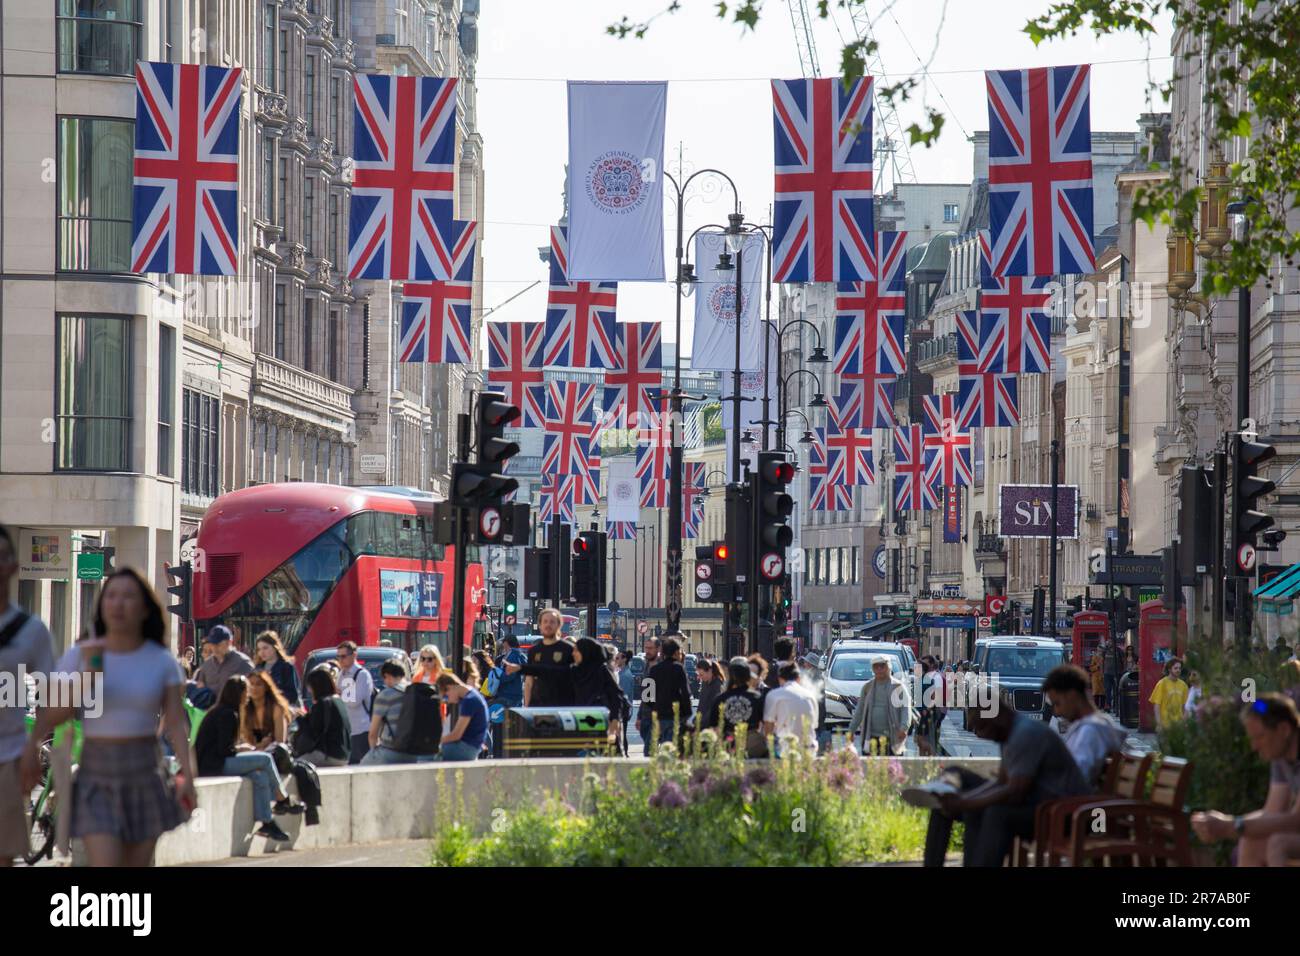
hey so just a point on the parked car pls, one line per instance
(1019, 664)
(847, 667)
(368, 657)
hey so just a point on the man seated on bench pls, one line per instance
(1092, 735)
(1036, 766)
(1269, 836)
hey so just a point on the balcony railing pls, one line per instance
(990, 546)
(937, 348)
(301, 384)
(1092, 513)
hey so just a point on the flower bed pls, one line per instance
(706, 809)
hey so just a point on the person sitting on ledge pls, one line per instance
(1036, 766)
(1270, 836)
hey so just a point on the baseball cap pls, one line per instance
(218, 634)
(879, 659)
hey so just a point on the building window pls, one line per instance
(166, 390)
(268, 177)
(93, 375)
(332, 347)
(98, 37)
(308, 214)
(334, 230)
(268, 45)
(951, 212)
(338, 17)
(282, 61)
(281, 195)
(278, 344)
(309, 92)
(308, 331)
(335, 84)
(95, 161)
(201, 429)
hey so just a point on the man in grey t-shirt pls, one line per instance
(225, 662)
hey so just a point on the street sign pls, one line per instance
(704, 590)
(489, 522)
(704, 571)
(773, 566)
(1246, 556)
(374, 464)
(996, 603)
(984, 623)
(1132, 569)
(90, 566)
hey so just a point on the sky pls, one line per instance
(719, 106)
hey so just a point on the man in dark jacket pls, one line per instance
(670, 690)
(782, 653)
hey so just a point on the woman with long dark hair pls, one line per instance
(712, 682)
(741, 705)
(324, 736)
(122, 797)
(266, 714)
(221, 753)
(596, 686)
(272, 658)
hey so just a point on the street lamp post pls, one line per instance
(676, 467)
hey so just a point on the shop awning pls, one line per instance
(1284, 587)
(874, 628)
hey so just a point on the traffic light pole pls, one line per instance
(1220, 545)
(1051, 558)
(459, 536)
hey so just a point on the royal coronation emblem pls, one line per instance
(722, 303)
(614, 182)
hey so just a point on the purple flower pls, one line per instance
(701, 775)
(896, 773)
(760, 777)
(842, 779)
(746, 793)
(669, 796)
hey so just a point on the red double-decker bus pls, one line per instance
(321, 564)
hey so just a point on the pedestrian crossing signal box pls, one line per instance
(556, 731)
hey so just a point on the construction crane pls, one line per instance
(891, 145)
(803, 37)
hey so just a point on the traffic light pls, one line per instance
(706, 575)
(1076, 604)
(494, 414)
(588, 561)
(773, 506)
(1273, 537)
(1247, 488)
(482, 484)
(510, 605)
(1126, 614)
(737, 550)
(537, 574)
(182, 574)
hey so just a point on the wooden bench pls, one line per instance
(1151, 832)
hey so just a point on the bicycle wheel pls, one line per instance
(42, 839)
(40, 810)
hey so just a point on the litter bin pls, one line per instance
(1128, 700)
(556, 731)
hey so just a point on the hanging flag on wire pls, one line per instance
(556, 497)
(580, 316)
(871, 313)
(848, 453)
(615, 192)
(692, 498)
(515, 367)
(652, 463)
(570, 442)
(1013, 310)
(623, 501)
(823, 211)
(404, 154)
(713, 347)
(621, 530)
(436, 315)
(824, 494)
(985, 399)
(912, 489)
(185, 192)
(951, 464)
(1040, 171)
(637, 373)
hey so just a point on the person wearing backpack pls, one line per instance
(357, 688)
(407, 720)
(466, 739)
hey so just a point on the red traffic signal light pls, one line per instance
(581, 546)
(720, 553)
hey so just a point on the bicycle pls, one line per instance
(43, 807)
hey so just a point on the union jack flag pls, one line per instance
(515, 367)
(404, 151)
(870, 313)
(557, 493)
(185, 195)
(638, 371)
(570, 441)
(951, 464)
(1013, 310)
(435, 315)
(823, 213)
(865, 405)
(692, 499)
(985, 399)
(824, 494)
(621, 530)
(652, 468)
(848, 453)
(912, 488)
(1040, 171)
(580, 316)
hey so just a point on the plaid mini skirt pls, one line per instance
(122, 790)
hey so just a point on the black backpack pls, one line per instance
(419, 725)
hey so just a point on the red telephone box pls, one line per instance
(1156, 644)
(1088, 630)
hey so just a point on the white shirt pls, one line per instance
(32, 648)
(1090, 739)
(128, 701)
(356, 688)
(792, 709)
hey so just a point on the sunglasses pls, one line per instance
(427, 659)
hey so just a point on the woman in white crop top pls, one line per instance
(122, 797)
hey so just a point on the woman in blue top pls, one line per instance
(465, 740)
(271, 657)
